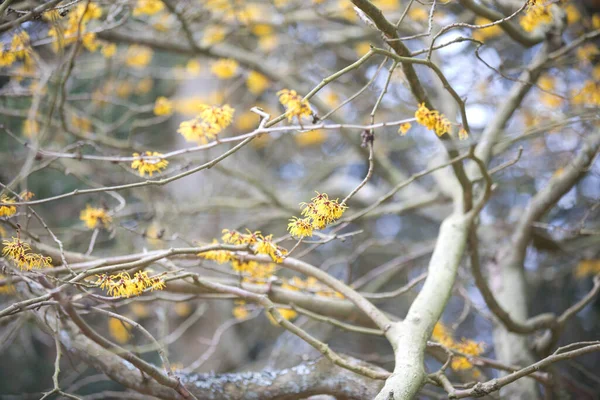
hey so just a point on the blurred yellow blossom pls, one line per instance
(9, 210)
(95, 217)
(193, 67)
(224, 68)
(119, 330)
(147, 7)
(138, 56)
(311, 138)
(257, 83)
(163, 106)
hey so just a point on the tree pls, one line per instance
(407, 192)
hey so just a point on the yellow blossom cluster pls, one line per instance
(310, 284)
(257, 83)
(95, 217)
(20, 49)
(163, 106)
(486, 33)
(147, 7)
(119, 330)
(75, 26)
(286, 313)
(149, 163)
(7, 211)
(433, 120)
(138, 56)
(218, 256)
(240, 310)
(537, 14)
(20, 253)
(443, 336)
(225, 68)
(213, 34)
(589, 95)
(81, 124)
(123, 285)
(253, 271)
(260, 244)
(319, 213)
(587, 268)
(208, 124)
(6, 288)
(295, 105)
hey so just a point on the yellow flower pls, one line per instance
(224, 68)
(404, 128)
(213, 35)
(573, 14)
(109, 50)
(587, 268)
(262, 29)
(322, 211)
(147, 7)
(362, 48)
(139, 310)
(257, 83)
(123, 285)
(119, 330)
(149, 163)
(218, 256)
(586, 53)
(295, 105)
(144, 85)
(265, 245)
(418, 14)
(89, 41)
(85, 13)
(31, 128)
(195, 130)
(217, 117)
(6, 289)
(7, 211)
(95, 217)
(246, 121)
(536, 15)
(124, 89)
(81, 123)
(433, 120)
(6, 57)
(235, 237)
(310, 138)
(182, 309)
(193, 67)
(442, 335)
(240, 311)
(19, 45)
(138, 56)
(463, 134)
(486, 33)
(163, 106)
(20, 253)
(285, 313)
(209, 123)
(300, 227)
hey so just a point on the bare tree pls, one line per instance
(284, 199)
